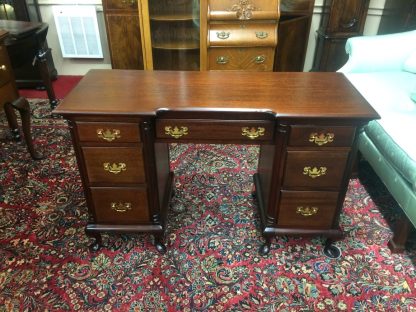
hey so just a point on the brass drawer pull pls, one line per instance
(252, 132)
(261, 34)
(259, 59)
(115, 168)
(176, 132)
(121, 207)
(223, 35)
(314, 172)
(321, 138)
(307, 211)
(108, 135)
(3, 67)
(222, 60)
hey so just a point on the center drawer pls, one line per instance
(235, 131)
(114, 164)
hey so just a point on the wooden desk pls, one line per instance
(305, 123)
(10, 99)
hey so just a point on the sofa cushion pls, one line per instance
(410, 63)
(394, 133)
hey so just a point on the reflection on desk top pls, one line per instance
(19, 29)
(284, 94)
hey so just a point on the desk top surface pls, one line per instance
(18, 29)
(288, 94)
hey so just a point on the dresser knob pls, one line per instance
(222, 60)
(314, 172)
(321, 138)
(120, 207)
(252, 132)
(108, 135)
(3, 67)
(115, 168)
(223, 35)
(259, 59)
(176, 132)
(307, 211)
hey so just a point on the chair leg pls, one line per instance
(400, 235)
(46, 78)
(22, 106)
(12, 121)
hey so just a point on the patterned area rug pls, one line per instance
(212, 262)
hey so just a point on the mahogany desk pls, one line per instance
(305, 123)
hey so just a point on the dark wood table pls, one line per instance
(306, 125)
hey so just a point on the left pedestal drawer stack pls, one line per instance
(112, 157)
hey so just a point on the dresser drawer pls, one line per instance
(114, 164)
(109, 132)
(120, 205)
(234, 35)
(5, 70)
(307, 209)
(183, 129)
(121, 5)
(315, 169)
(243, 9)
(321, 136)
(256, 59)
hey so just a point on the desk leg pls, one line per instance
(46, 78)
(22, 105)
(12, 121)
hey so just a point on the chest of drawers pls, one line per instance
(306, 135)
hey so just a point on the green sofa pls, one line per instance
(383, 69)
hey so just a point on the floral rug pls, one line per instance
(212, 262)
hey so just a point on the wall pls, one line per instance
(81, 66)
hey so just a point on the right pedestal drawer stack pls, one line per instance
(315, 165)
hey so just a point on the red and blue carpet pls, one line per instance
(212, 262)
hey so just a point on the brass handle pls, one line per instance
(108, 135)
(252, 132)
(176, 132)
(130, 2)
(222, 60)
(121, 207)
(3, 67)
(261, 34)
(307, 211)
(223, 35)
(321, 138)
(259, 59)
(115, 168)
(314, 172)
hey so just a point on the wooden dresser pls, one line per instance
(305, 123)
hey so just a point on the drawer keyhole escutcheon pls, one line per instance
(121, 207)
(115, 168)
(314, 172)
(223, 34)
(261, 34)
(307, 211)
(108, 135)
(252, 132)
(259, 59)
(321, 138)
(176, 132)
(3, 67)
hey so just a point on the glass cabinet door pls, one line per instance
(173, 33)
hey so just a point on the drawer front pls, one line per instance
(256, 59)
(250, 131)
(243, 9)
(120, 205)
(110, 132)
(321, 136)
(114, 164)
(5, 70)
(234, 35)
(315, 169)
(307, 209)
(121, 5)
